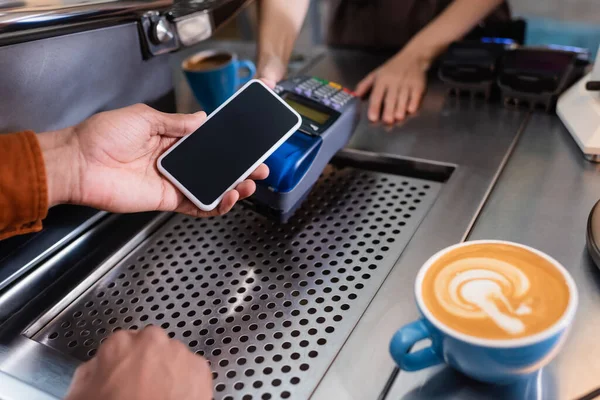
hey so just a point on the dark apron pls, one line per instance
(387, 24)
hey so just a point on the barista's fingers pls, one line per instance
(246, 189)
(376, 99)
(402, 101)
(416, 95)
(363, 87)
(391, 97)
(260, 173)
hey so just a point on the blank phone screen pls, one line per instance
(216, 155)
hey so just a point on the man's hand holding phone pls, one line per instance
(235, 139)
(109, 162)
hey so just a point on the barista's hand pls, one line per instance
(397, 87)
(109, 162)
(144, 365)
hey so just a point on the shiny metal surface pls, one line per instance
(67, 79)
(475, 137)
(446, 383)
(81, 257)
(269, 305)
(23, 256)
(96, 274)
(161, 32)
(158, 34)
(36, 365)
(14, 389)
(543, 199)
(31, 14)
(42, 291)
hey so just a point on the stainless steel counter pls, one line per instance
(475, 137)
(542, 199)
(545, 185)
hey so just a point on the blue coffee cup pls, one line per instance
(487, 360)
(214, 76)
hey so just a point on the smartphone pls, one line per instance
(233, 141)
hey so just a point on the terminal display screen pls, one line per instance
(320, 117)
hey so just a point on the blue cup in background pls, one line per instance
(487, 360)
(215, 75)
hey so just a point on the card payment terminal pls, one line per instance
(329, 113)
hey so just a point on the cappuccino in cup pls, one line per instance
(209, 62)
(494, 310)
(215, 75)
(495, 291)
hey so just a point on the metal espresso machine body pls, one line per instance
(63, 61)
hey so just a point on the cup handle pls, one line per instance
(404, 339)
(247, 65)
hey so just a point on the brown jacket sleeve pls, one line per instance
(23, 188)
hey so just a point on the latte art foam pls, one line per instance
(493, 292)
(473, 287)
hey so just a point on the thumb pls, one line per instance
(177, 125)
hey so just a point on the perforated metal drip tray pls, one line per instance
(269, 305)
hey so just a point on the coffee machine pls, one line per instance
(579, 110)
(64, 60)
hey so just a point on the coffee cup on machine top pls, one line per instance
(215, 75)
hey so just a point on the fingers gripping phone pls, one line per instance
(233, 141)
